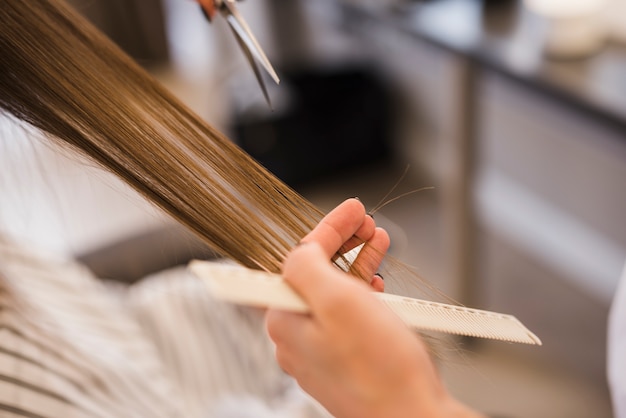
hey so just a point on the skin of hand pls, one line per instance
(352, 353)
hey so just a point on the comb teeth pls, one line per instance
(256, 288)
(440, 317)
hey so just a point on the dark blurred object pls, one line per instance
(338, 119)
(140, 255)
(137, 26)
(500, 16)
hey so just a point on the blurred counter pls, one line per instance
(502, 36)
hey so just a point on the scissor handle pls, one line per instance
(210, 7)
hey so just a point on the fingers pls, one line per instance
(346, 227)
(310, 273)
(363, 234)
(343, 228)
(368, 261)
(378, 283)
(288, 329)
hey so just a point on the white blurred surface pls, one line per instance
(62, 203)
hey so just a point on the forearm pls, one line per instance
(427, 398)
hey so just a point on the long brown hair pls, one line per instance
(60, 75)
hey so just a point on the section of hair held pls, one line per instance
(63, 77)
(59, 74)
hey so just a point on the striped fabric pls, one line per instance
(72, 346)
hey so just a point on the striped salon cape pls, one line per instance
(73, 346)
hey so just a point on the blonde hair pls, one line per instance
(60, 75)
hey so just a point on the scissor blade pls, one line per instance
(252, 63)
(239, 26)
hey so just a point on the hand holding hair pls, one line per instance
(346, 227)
(351, 353)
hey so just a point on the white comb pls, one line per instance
(266, 290)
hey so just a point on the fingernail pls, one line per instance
(379, 275)
(355, 197)
(370, 214)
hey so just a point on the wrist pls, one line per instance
(456, 409)
(418, 402)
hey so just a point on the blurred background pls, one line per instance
(513, 112)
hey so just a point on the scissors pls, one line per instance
(246, 40)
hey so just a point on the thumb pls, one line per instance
(310, 273)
